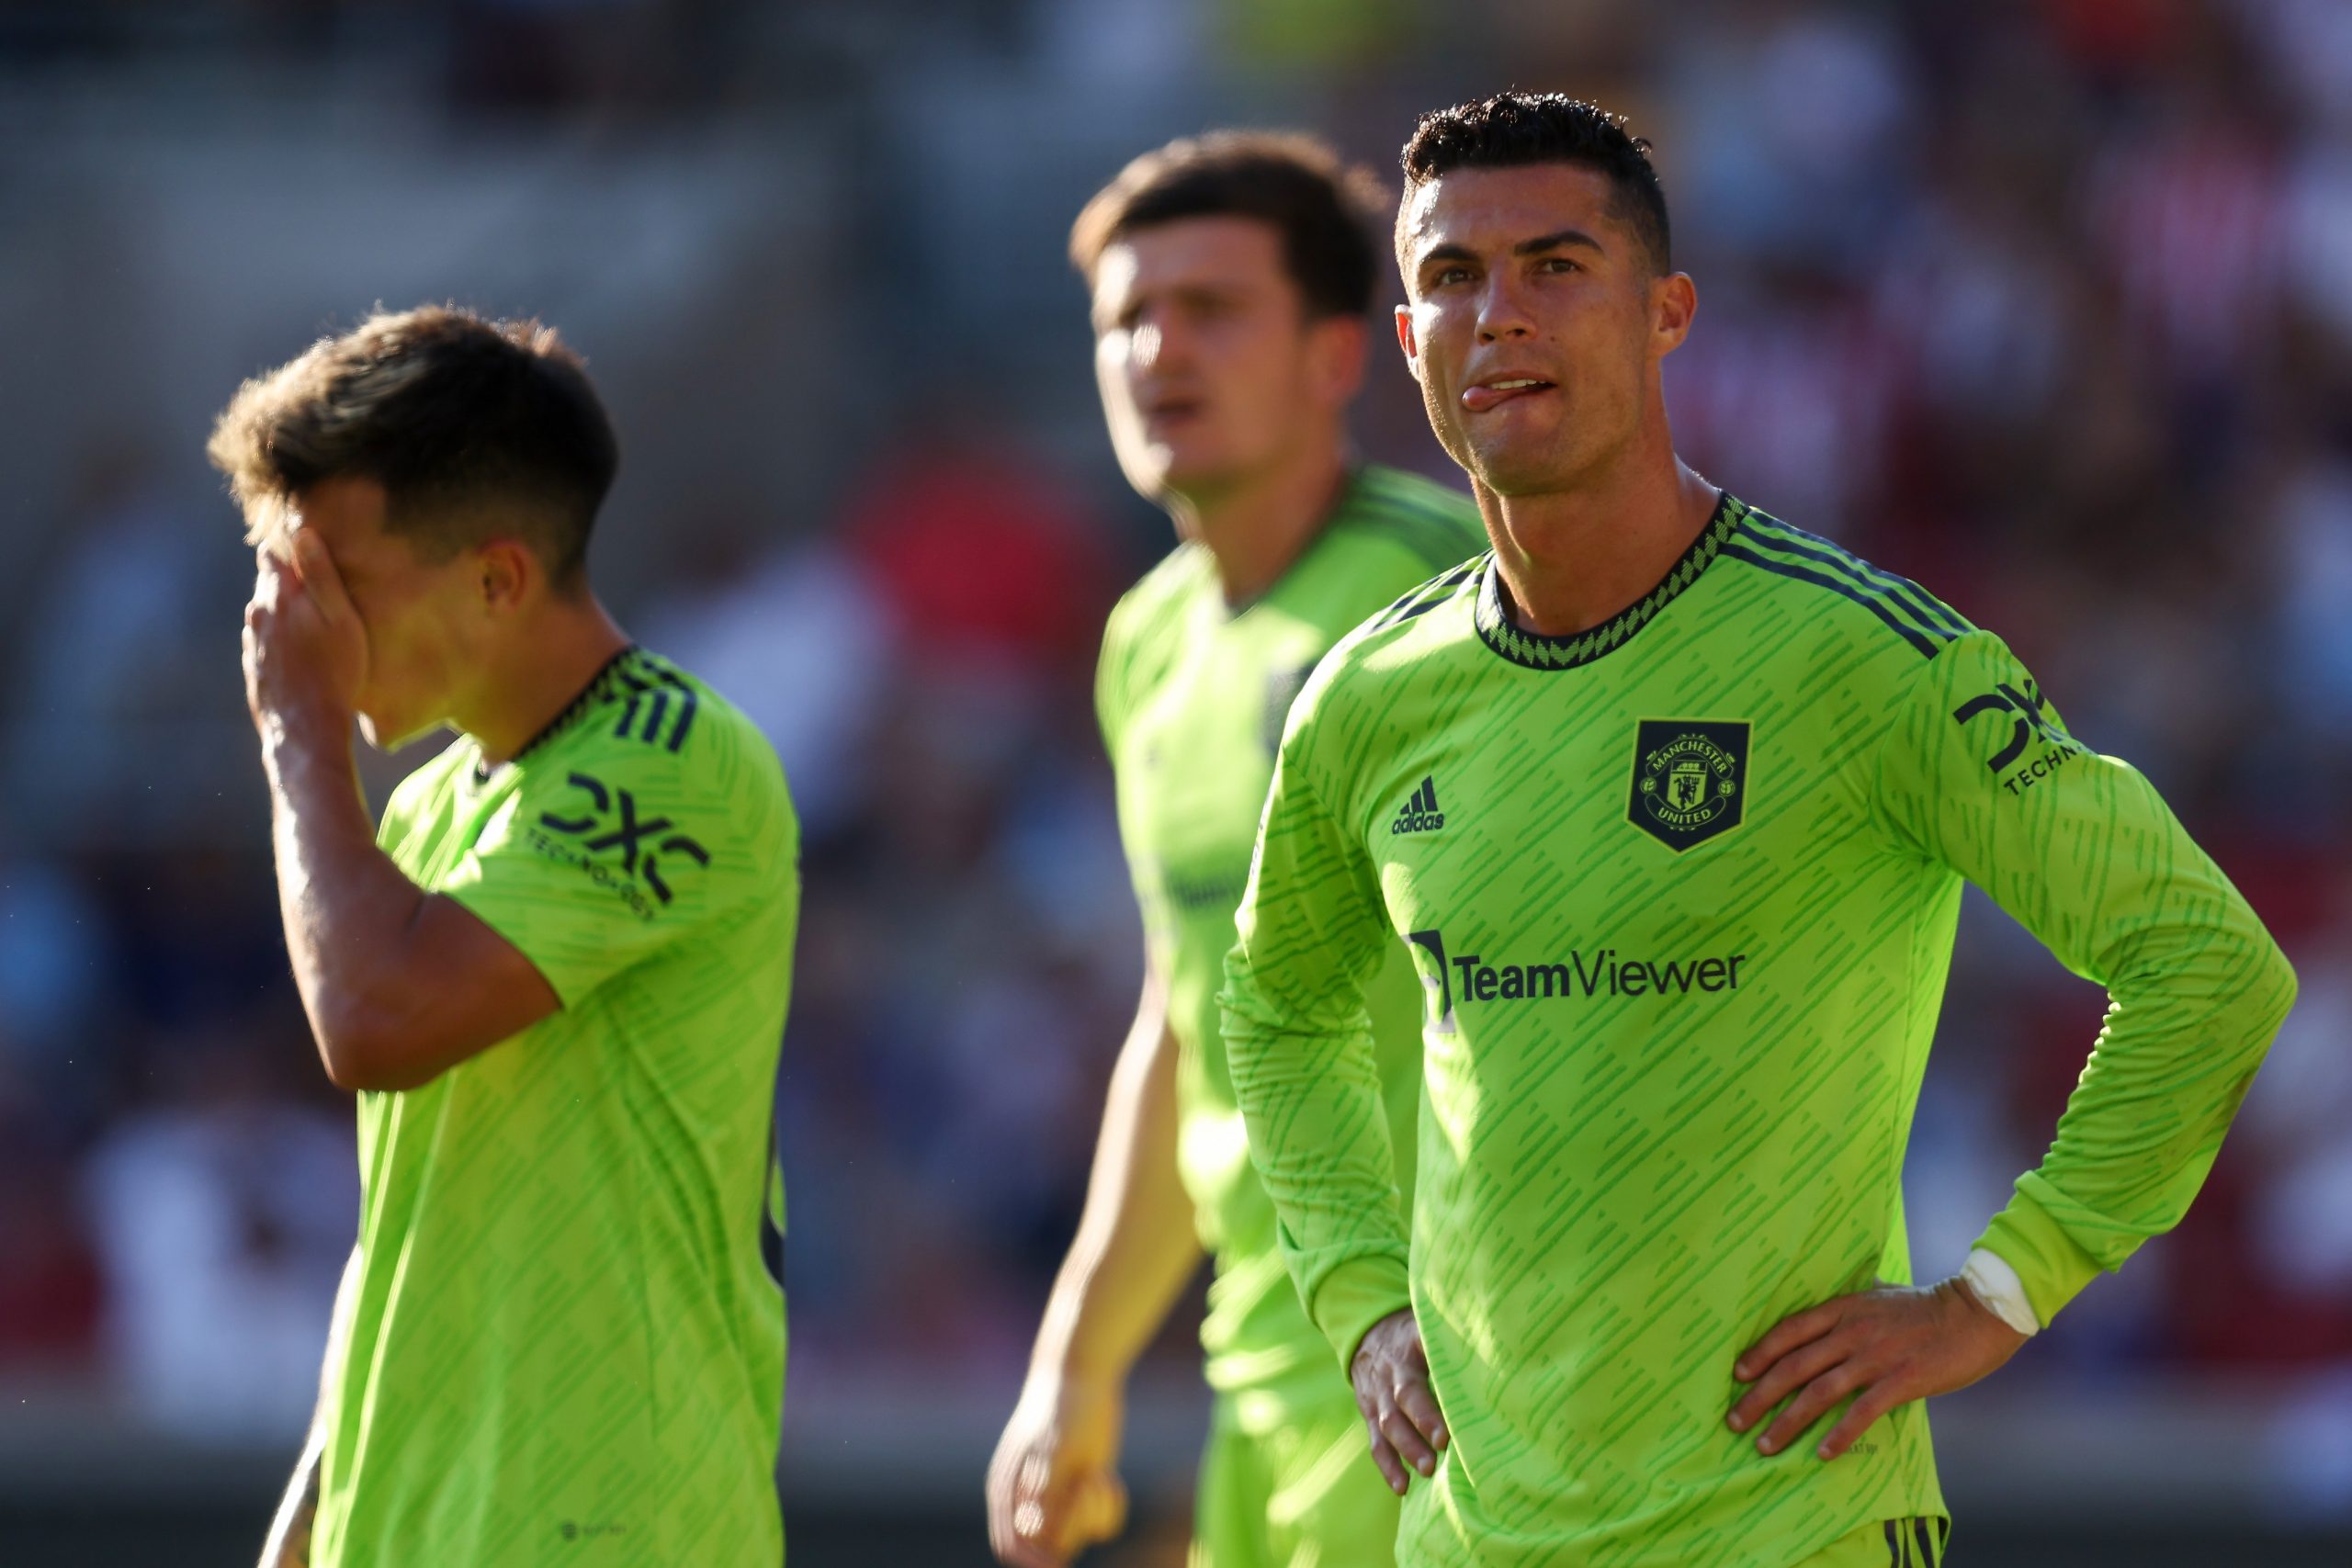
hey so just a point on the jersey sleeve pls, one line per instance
(1298, 1041)
(407, 803)
(1979, 774)
(604, 857)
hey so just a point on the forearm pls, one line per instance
(2191, 1020)
(1979, 774)
(1136, 1242)
(347, 909)
(1310, 1094)
(1298, 1044)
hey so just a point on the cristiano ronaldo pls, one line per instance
(1712, 786)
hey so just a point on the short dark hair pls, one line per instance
(472, 427)
(1326, 211)
(1512, 129)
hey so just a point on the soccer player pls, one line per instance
(1712, 786)
(556, 975)
(1232, 276)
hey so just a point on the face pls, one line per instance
(1535, 325)
(426, 621)
(1210, 371)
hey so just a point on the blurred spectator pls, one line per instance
(108, 684)
(977, 554)
(49, 1290)
(2299, 1120)
(757, 626)
(53, 970)
(222, 1210)
(1792, 390)
(966, 975)
(2314, 585)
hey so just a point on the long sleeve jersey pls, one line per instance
(1683, 929)
(1192, 693)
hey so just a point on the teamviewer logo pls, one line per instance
(1420, 813)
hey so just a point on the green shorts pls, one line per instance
(1293, 1487)
(1891, 1543)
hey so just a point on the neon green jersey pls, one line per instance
(1683, 934)
(1191, 697)
(565, 1344)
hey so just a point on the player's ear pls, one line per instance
(1674, 301)
(507, 571)
(1406, 340)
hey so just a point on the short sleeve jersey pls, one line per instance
(565, 1341)
(1192, 693)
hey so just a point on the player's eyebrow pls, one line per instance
(1553, 241)
(1192, 291)
(1450, 252)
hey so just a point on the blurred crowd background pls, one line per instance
(2047, 303)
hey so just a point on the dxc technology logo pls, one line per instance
(615, 825)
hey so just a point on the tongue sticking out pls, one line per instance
(1478, 399)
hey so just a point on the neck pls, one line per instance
(1257, 530)
(519, 692)
(1570, 559)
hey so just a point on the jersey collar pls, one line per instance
(1537, 651)
(598, 686)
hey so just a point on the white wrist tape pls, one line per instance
(1995, 1283)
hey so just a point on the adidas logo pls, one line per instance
(1420, 813)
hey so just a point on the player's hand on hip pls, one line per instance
(1054, 1486)
(305, 646)
(1881, 1349)
(1391, 1373)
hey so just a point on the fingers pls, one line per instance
(1017, 1510)
(1784, 1377)
(1419, 1406)
(269, 574)
(1813, 1402)
(318, 577)
(1801, 1329)
(277, 588)
(1391, 1374)
(1039, 1514)
(1405, 1431)
(1097, 1511)
(1016, 1551)
(1407, 1440)
(1020, 1530)
(1876, 1402)
(1383, 1456)
(1000, 1502)
(1881, 1349)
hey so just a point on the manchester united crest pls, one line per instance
(1690, 780)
